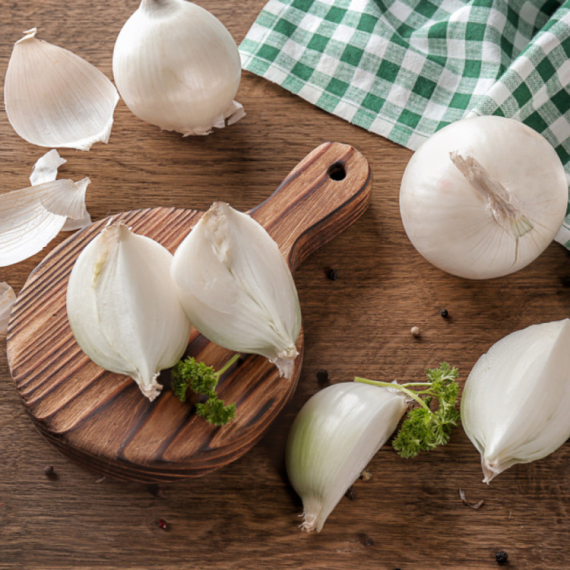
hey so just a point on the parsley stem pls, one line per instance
(231, 361)
(410, 393)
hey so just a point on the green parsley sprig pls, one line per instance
(424, 429)
(202, 379)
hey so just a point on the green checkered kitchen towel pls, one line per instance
(405, 68)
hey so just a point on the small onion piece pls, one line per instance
(483, 197)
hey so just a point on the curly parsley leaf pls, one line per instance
(202, 379)
(424, 429)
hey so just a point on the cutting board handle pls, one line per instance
(321, 197)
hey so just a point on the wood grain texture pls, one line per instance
(100, 418)
(245, 516)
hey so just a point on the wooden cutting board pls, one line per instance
(100, 418)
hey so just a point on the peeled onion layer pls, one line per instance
(515, 404)
(333, 438)
(55, 98)
(237, 289)
(7, 300)
(483, 197)
(32, 217)
(178, 67)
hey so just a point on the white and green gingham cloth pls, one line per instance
(405, 68)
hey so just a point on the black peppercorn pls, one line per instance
(332, 274)
(322, 376)
(154, 489)
(351, 494)
(48, 471)
(501, 557)
(444, 313)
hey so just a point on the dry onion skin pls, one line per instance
(30, 218)
(177, 67)
(45, 170)
(483, 197)
(55, 98)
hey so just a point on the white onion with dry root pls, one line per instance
(516, 399)
(333, 438)
(483, 197)
(177, 67)
(55, 98)
(123, 308)
(237, 289)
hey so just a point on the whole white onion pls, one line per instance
(483, 197)
(176, 66)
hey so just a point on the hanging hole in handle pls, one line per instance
(337, 171)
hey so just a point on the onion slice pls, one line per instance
(55, 98)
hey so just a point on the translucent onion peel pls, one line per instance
(177, 67)
(45, 170)
(515, 403)
(333, 438)
(54, 98)
(483, 197)
(32, 217)
(236, 287)
(123, 308)
(7, 300)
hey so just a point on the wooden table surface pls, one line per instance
(245, 516)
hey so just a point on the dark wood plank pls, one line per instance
(245, 515)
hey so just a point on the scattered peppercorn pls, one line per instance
(415, 331)
(322, 376)
(48, 471)
(367, 540)
(444, 313)
(162, 524)
(501, 557)
(351, 494)
(153, 489)
(332, 274)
